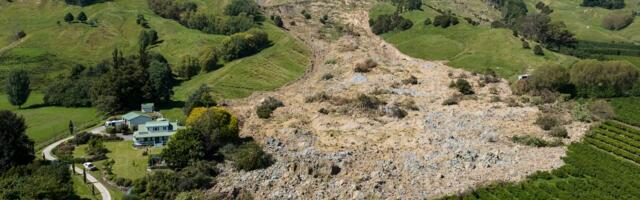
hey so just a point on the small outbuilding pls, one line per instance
(133, 119)
(147, 108)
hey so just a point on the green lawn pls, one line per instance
(82, 189)
(473, 48)
(627, 109)
(586, 22)
(45, 124)
(130, 163)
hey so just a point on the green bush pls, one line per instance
(445, 20)
(368, 102)
(547, 121)
(594, 78)
(537, 50)
(248, 156)
(535, 141)
(559, 131)
(464, 87)
(267, 107)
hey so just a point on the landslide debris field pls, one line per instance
(343, 134)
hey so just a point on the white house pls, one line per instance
(155, 133)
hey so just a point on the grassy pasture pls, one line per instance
(586, 22)
(44, 124)
(473, 48)
(50, 47)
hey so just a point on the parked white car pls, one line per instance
(113, 123)
(89, 166)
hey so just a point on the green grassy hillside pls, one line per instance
(51, 47)
(474, 48)
(586, 22)
(47, 123)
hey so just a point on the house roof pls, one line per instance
(156, 123)
(147, 106)
(143, 132)
(132, 115)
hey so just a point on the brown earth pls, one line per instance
(358, 153)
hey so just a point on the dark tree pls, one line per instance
(71, 127)
(148, 39)
(68, 18)
(608, 4)
(82, 17)
(538, 50)
(121, 89)
(199, 98)
(15, 147)
(161, 80)
(184, 147)
(210, 61)
(278, 21)
(18, 87)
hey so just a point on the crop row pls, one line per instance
(613, 149)
(608, 128)
(619, 137)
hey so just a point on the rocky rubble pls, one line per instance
(354, 153)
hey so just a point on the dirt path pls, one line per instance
(104, 192)
(13, 44)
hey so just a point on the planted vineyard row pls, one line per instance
(628, 134)
(589, 173)
(617, 138)
(620, 138)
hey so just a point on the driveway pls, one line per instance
(104, 193)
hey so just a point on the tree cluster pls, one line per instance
(119, 84)
(510, 9)
(388, 23)
(608, 4)
(445, 20)
(244, 44)
(168, 185)
(540, 28)
(83, 2)
(20, 177)
(407, 5)
(240, 15)
(544, 8)
(586, 78)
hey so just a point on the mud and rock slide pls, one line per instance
(357, 153)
